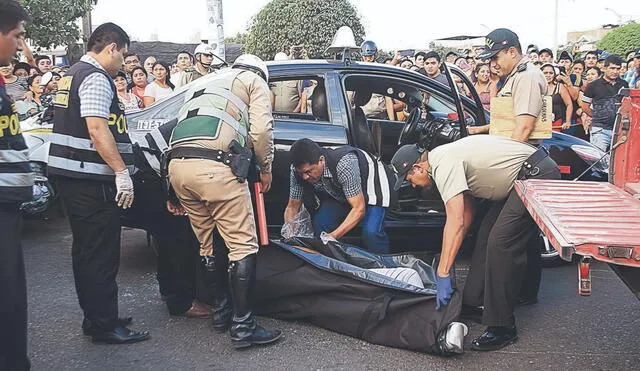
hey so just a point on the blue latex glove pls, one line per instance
(443, 284)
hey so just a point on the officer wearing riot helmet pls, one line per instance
(16, 182)
(91, 157)
(204, 57)
(209, 161)
(368, 51)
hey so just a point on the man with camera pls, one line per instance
(463, 171)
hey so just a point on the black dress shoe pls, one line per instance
(471, 313)
(495, 337)
(89, 329)
(119, 335)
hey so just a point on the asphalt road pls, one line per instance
(564, 331)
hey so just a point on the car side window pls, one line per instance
(293, 99)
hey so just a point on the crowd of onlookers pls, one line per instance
(30, 83)
(574, 82)
(582, 87)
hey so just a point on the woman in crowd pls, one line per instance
(21, 69)
(486, 88)
(139, 82)
(131, 102)
(592, 74)
(160, 87)
(33, 104)
(16, 86)
(562, 102)
(406, 63)
(577, 71)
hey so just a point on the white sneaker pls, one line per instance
(454, 338)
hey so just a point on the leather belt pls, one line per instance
(530, 166)
(205, 153)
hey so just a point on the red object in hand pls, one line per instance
(262, 215)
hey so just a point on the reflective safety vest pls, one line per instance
(16, 178)
(72, 153)
(205, 111)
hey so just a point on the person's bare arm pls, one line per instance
(293, 207)
(354, 217)
(148, 101)
(104, 142)
(525, 124)
(391, 114)
(586, 108)
(566, 98)
(459, 211)
(31, 61)
(484, 129)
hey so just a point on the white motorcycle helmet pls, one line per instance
(203, 49)
(252, 63)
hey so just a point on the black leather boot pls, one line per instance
(244, 329)
(217, 282)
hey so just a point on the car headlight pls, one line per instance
(593, 155)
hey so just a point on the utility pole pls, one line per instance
(216, 26)
(555, 27)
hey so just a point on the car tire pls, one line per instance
(548, 254)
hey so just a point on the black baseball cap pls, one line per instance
(565, 55)
(403, 161)
(497, 40)
(546, 50)
(637, 54)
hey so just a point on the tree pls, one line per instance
(621, 40)
(53, 22)
(239, 38)
(311, 23)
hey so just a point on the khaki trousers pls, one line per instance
(212, 196)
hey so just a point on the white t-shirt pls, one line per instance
(156, 91)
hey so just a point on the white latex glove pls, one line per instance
(326, 237)
(124, 186)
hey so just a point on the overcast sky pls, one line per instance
(393, 24)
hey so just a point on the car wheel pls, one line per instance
(548, 254)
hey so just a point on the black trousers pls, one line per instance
(96, 227)
(500, 259)
(177, 245)
(13, 292)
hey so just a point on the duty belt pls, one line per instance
(530, 166)
(196, 152)
(238, 159)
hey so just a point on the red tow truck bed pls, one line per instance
(597, 220)
(586, 218)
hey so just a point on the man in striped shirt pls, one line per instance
(341, 188)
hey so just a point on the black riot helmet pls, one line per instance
(368, 49)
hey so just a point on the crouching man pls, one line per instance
(483, 166)
(341, 188)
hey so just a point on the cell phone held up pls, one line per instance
(407, 52)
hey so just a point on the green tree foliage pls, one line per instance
(311, 23)
(53, 22)
(239, 38)
(621, 40)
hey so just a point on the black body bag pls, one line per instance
(331, 286)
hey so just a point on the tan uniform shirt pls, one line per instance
(527, 87)
(287, 95)
(254, 92)
(485, 165)
(376, 107)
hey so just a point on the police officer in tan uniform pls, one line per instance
(220, 121)
(521, 80)
(463, 171)
(525, 84)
